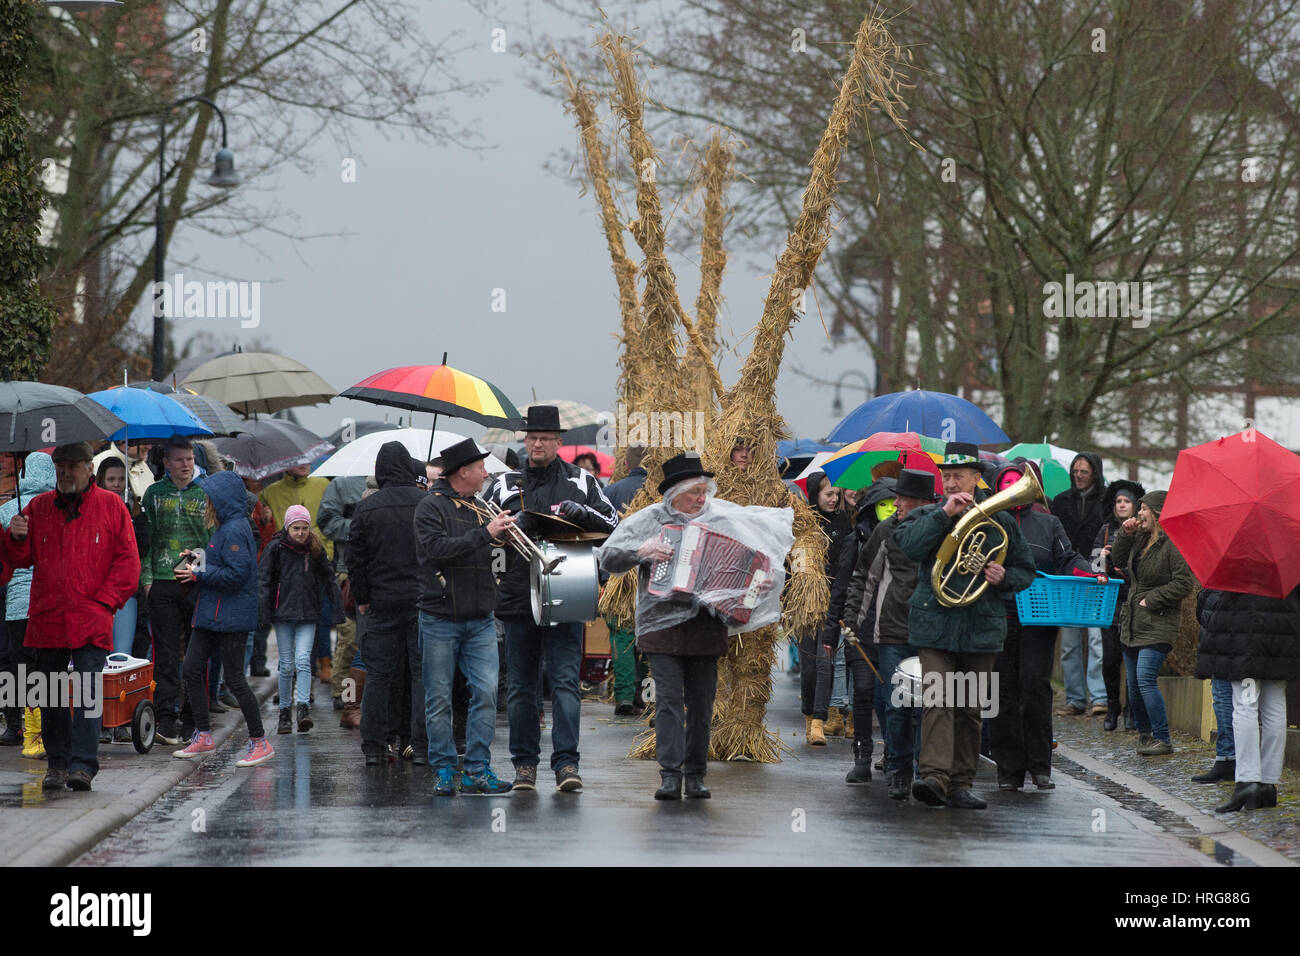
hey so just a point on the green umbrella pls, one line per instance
(1040, 451)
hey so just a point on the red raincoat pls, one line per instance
(84, 569)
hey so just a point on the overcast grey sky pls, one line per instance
(434, 230)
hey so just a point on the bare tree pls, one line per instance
(294, 79)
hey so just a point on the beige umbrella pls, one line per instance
(572, 415)
(252, 382)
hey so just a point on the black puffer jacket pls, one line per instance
(383, 568)
(290, 581)
(1246, 635)
(1082, 515)
(846, 559)
(456, 554)
(543, 487)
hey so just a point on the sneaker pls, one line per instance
(446, 785)
(121, 735)
(106, 736)
(259, 751)
(200, 745)
(567, 779)
(525, 778)
(408, 752)
(166, 734)
(483, 784)
(1156, 748)
(1069, 710)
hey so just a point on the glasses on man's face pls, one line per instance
(540, 439)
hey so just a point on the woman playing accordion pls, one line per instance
(707, 568)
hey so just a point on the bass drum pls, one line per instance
(570, 592)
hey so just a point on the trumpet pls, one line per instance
(527, 548)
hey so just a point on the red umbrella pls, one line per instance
(606, 462)
(1233, 511)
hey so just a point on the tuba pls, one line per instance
(977, 539)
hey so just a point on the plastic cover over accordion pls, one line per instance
(718, 570)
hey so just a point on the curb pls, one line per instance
(1203, 823)
(84, 834)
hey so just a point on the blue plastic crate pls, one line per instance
(1065, 600)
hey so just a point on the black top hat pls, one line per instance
(681, 467)
(542, 418)
(459, 455)
(960, 454)
(914, 483)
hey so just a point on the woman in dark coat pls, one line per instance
(1120, 502)
(1159, 580)
(1254, 642)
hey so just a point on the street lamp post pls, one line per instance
(223, 175)
(837, 406)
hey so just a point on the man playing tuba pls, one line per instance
(959, 629)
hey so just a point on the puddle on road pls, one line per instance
(1148, 809)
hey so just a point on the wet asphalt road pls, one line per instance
(316, 804)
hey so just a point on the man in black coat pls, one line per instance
(384, 571)
(1082, 513)
(546, 484)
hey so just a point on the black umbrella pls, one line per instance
(271, 445)
(35, 415)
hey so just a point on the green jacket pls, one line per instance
(175, 523)
(979, 627)
(1161, 578)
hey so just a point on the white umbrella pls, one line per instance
(357, 457)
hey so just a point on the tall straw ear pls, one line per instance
(716, 171)
(625, 270)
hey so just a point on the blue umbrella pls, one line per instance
(148, 414)
(936, 414)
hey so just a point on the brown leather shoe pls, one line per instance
(324, 669)
(1069, 710)
(1098, 710)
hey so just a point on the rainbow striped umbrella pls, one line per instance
(850, 467)
(439, 389)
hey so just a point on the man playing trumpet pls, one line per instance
(957, 644)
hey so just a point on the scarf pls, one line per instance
(70, 505)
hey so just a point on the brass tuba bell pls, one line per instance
(977, 539)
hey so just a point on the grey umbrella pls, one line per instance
(253, 382)
(271, 445)
(35, 415)
(218, 418)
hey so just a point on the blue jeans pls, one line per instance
(294, 639)
(124, 628)
(840, 677)
(902, 724)
(1076, 642)
(445, 644)
(1142, 664)
(1224, 745)
(526, 642)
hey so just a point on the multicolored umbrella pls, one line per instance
(1233, 511)
(850, 467)
(929, 413)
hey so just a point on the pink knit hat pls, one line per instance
(296, 513)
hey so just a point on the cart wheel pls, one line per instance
(143, 727)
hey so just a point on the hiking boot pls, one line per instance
(304, 719)
(446, 783)
(79, 780)
(695, 788)
(483, 784)
(525, 778)
(567, 779)
(200, 745)
(259, 751)
(834, 724)
(816, 733)
(55, 780)
(1069, 710)
(929, 792)
(966, 800)
(285, 726)
(1222, 770)
(325, 669)
(861, 772)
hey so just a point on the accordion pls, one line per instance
(718, 571)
